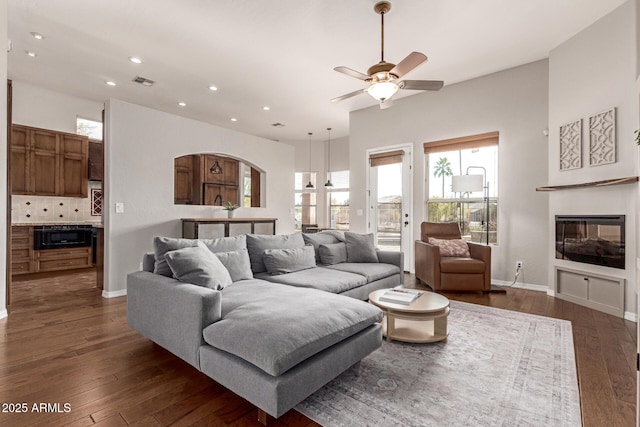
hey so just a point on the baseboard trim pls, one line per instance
(528, 286)
(633, 317)
(3, 314)
(114, 294)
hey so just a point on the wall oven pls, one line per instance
(61, 236)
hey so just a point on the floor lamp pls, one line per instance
(471, 183)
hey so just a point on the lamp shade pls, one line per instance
(382, 90)
(467, 183)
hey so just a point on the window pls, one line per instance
(246, 190)
(89, 128)
(305, 199)
(339, 200)
(476, 155)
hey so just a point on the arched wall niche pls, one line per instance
(216, 179)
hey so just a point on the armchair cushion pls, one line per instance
(451, 247)
(461, 265)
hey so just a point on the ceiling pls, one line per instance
(279, 53)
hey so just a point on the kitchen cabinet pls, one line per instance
(25, 259)
(63, 259)
(48, 163)
(96, 165)
(229, 175)
(220, 195)
(22, 250)
(194, 183)
(186, 180)
(74, 169)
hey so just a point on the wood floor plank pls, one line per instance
(64, 343)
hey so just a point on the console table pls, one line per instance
(212, 228)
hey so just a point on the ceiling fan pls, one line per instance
(383, 77)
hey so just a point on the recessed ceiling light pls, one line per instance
(31, 54)
(233, 119)
(135, 60)
(266, 108)
(213, 88)
(182, 104)
(110, 83)
(37, 36)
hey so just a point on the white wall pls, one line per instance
(140, 146)
(44, 108)
(513, 102)
(590, 73)
(3, 160)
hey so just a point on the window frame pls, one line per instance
(489, 139)
(313, 207)
(339, 189)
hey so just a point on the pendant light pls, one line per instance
(329, 184)
(309, 185)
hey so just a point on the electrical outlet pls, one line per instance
(519, 265)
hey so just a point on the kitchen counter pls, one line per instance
(34, 224)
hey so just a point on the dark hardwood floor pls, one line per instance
(64, 344)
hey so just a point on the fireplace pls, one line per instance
(591, 239)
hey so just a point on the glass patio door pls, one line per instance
(390, 201)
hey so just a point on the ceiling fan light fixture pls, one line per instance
(382, 90)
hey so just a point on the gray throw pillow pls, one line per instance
(226, 244)
(258, 243)
(198, 265)
(237, 262)
(360, 247)
(281, 261)
(317, 239)
(333, 253)
(162, 245)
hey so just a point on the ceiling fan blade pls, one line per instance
(352, 73)
(348, 95)
(409, 63)
(421, 84)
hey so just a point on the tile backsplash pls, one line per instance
(37, 209)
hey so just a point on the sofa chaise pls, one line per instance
(281, 326)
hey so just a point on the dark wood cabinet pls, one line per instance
(74, 170)
(229, 174)
(48, 163)
(96, 165)
(194, 183)
(44, 158)
(187, 186)
(63, 259)
(220, 195)
(25, 259)
(22, 250)
(20, 149)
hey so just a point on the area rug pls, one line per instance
(496, 368)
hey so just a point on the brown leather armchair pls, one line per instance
(451, 273)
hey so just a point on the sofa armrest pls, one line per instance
(393, 258)
(170, 313)
(427, 263)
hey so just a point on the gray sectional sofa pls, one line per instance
(262, 315)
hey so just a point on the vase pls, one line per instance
(230, 214)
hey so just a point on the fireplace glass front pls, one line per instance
(592, 239)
